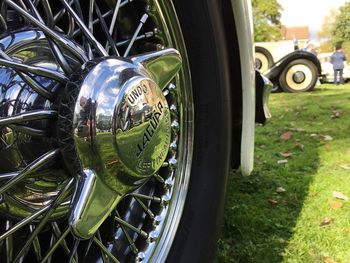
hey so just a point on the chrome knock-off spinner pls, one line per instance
(121, 131)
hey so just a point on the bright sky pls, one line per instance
(307, 12)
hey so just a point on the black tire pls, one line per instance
(196, 237)
(263, 59)
(299, 75)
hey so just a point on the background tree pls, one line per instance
(267, 16)
(325, 35)
(341, 28)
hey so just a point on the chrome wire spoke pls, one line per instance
(96, 21)
(50, 21)
(63, 243)
(113, 22)
(52, 242)
(73, 257)
(31, 82)
(159, 178)
(31, 168)
(55, 245)
(92, 4)
(9, 243)
(86, 42)
(71, 24)
(28, 130)
(49, 32)
(132, 245)
(61, 13)
(36, 244)
(141, 37)
(107, 34)
(137, 32)
(19, 67)
(147, 197)
(23, 223)
(58, 200)
(145, 208)
(28, 116)
(3, 25)
(105, 250)
(140, 232)
(104, 256)
(87, 250)
(61, 60)
(90, 37)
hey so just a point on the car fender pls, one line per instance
(275, 71)
(244, 36)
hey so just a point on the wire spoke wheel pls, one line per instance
(95, 114)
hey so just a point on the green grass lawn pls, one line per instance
(287, 212)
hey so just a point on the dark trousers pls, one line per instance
(341, 79)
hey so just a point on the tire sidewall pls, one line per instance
(195, 239)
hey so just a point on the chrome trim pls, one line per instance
(93, 202)
(268, 86)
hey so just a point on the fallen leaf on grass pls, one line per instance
(326, 221)
(281, 240)
(299, 145)
(328, 146)
(286, 136)
(296, 129)
(330, 260)
(313, 135)
(327, 138)
(280, 190)
(340, 195)
(345, 167)
(273, 202)
(336, 205)
(286, 154)
(282, 161)
(336, 114)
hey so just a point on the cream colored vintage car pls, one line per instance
(327, 74)
(288, 65)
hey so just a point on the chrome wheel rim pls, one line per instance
(141, 221)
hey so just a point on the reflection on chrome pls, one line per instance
(122, 131)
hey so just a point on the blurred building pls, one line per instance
(301, 33)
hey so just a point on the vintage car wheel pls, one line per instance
(114, 143)
(263, 59)
(299, 75)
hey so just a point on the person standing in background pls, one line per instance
(338, 58)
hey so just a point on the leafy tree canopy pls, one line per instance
(341, 27)
(267, 16)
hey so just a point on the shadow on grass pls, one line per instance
(262, 210)
(258, 220)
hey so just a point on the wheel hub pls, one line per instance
(299, 77)
(121, 131)
(122, 121)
